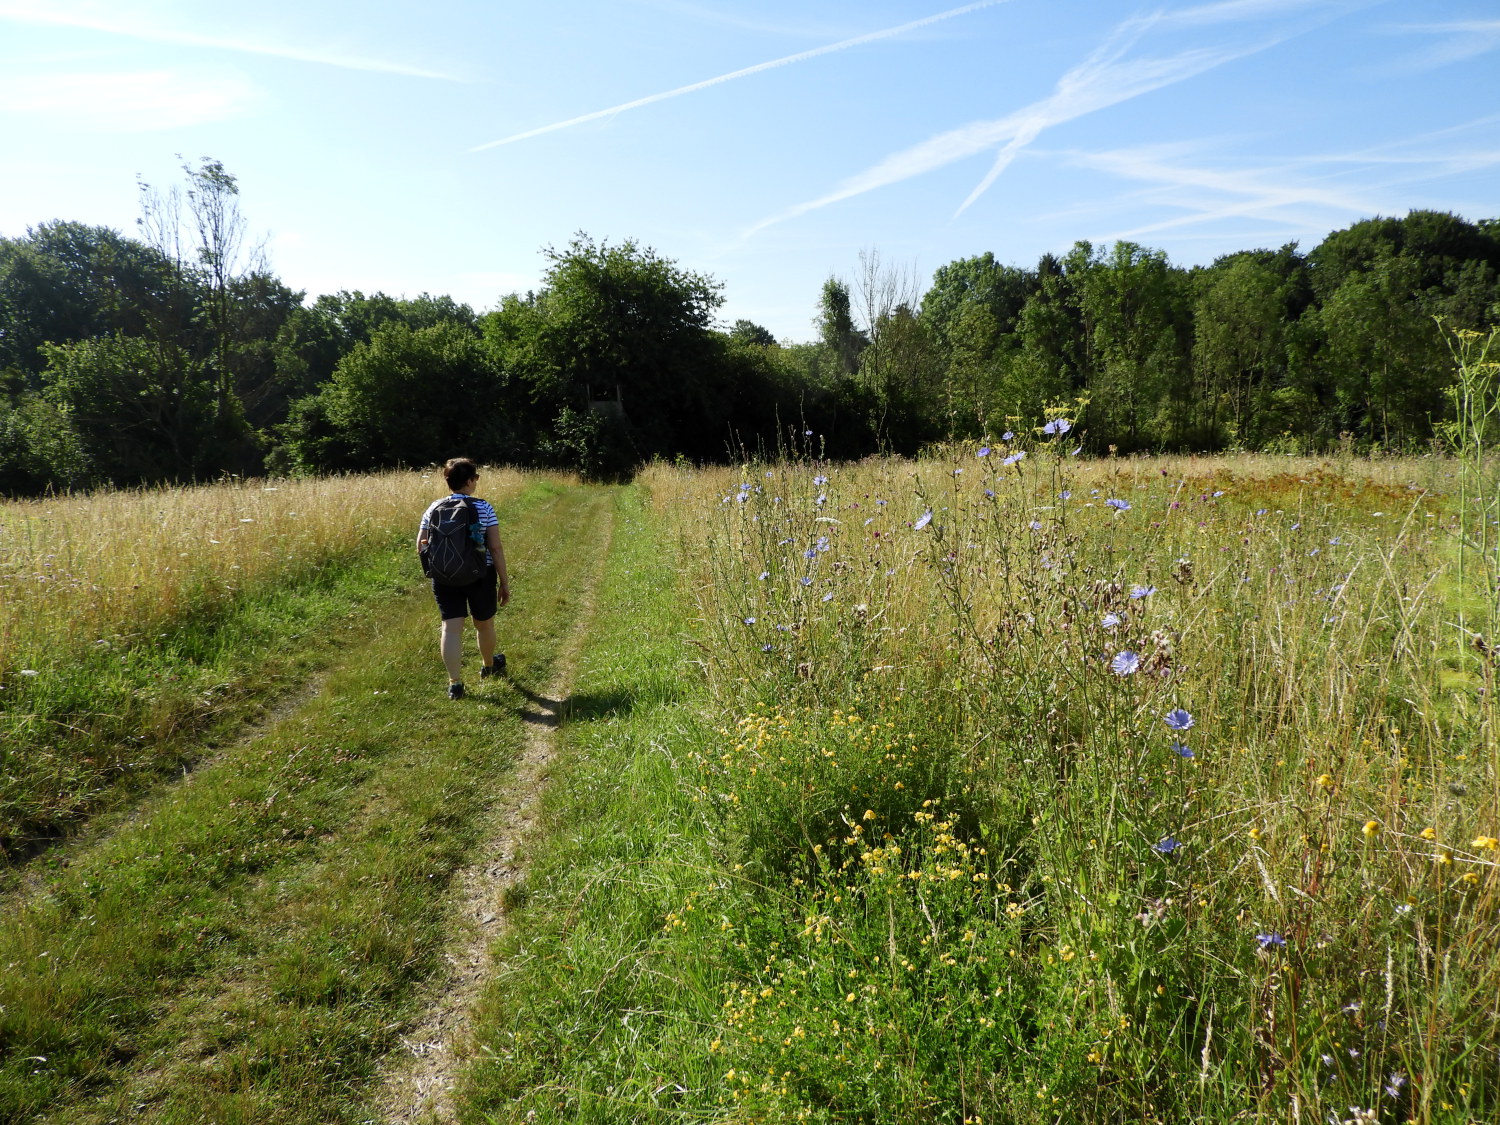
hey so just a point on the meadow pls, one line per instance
(999, 786)
(133, 624)
(1014, 787)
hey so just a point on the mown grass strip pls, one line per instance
(598, 1012)
(246, 948)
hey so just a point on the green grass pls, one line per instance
(245, 945)
(901, 847)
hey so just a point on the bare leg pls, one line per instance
(453, 647)
(486, 631)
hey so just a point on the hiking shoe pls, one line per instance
(455, 691)
(495, 669)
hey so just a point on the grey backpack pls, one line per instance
(454, 555)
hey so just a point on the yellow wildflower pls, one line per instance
(1487, 842)
(1326, 780)
(1371, 827)
(1429, 833)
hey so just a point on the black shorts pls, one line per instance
(479, 599)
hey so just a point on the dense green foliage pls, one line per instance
(128, 361)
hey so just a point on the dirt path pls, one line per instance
(417, 1082)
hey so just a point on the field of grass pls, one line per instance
(1001, 786)
(1023, 789)
(135, 627)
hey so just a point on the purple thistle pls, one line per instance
(1118, 505)
(923, 520)
(1178, 719)
(1125, 663)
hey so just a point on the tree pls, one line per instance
(407, 397)
(836, 331)
(748, 332)
(146, 409)
(1138, 315)
(621, 322)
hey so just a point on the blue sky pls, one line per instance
(439, 146)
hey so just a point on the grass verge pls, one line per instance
(249, 944)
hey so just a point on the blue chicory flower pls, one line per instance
(1066, 494)
(1125, 663)
(749, 621)
(1014, 457)
(923, 520)
(1138, 592)
(1178, 719)
(1118, 505)
(1008, 435)
(1036, 525)
(1057, 426)
(984, 451)
(1268, 940)
(820, 480)
(1181, 750)
(764, 575)
(1167, 846)
(805, 581)
(1111, 620)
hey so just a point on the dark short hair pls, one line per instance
(459, 471)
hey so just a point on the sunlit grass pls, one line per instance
(1286, 893)
(109, 566)
(133, 625)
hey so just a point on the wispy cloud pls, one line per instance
(134, 102)
(1305, 193)
(786, 60)
(48, 13)
(1107, 77)
(1461, 39)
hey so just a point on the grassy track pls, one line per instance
(246, 946)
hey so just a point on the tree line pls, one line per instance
(178, 355)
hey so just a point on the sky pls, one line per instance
(442, 147)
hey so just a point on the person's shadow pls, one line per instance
(576, 708)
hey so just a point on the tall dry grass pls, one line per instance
(113, 567)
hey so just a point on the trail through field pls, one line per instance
(275, 936)
(418, 1081)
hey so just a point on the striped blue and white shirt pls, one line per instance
(483, 508)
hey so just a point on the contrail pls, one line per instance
(32, 13)
(858, 40)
